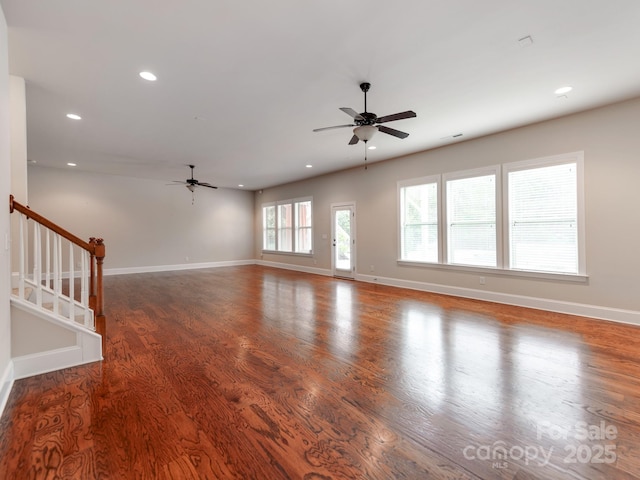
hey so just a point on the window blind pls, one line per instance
(471, 221)
(543, 219)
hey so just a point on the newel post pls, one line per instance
(92, 274)
(97, 288)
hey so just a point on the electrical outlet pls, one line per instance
(371, 268)
(483, 280)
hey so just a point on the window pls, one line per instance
(287, 226)
(303, 227)
(471, 220)
(269, 227)
(543, 216)
(419, 220)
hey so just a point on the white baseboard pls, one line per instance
(6, 384)
(86, 348)
(44, 362)
(585, 310)
(175, 267)
(571, 308)
(297, 268)
(154, 268)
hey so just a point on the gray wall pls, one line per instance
(146, 223)
(611, 144)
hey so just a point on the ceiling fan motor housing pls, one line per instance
(367, 119)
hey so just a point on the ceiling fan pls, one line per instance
(192, 183)
(367, 123)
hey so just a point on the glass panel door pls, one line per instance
(343, 240)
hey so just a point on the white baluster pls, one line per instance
(48, 258)
(37, 261)
(27, 237)
(72, 286)
(57, 260)
(21, 261)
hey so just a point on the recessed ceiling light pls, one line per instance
(563, 90)
(71, 164)
(148, 76)
(74, 116)
(372, 147)
(309, 166)
(240, 185)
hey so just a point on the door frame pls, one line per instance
(340, 272)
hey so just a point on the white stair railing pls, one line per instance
(49, 285)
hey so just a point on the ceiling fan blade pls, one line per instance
(354, 140)
(331, 128)
(352, 113)
(205, 184)
(391, 131)
(396, 116)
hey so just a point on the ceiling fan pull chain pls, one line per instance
(365, 154)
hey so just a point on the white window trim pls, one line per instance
(501, 172)
(476, 172)
(292, 202)
(572, 157)
(437, 179)
(266, 205)
(502, 272)
(296, 228)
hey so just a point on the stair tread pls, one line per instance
(27, 292)
(48, 306)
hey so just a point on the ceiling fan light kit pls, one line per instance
(365, 132)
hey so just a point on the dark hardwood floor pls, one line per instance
(258, 373)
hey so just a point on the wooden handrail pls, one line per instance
(96, 249)
(13, 205)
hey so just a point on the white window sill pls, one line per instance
(294, 254)
(558, 277)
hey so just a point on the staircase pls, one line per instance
(57, 318)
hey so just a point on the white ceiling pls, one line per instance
(241, 85)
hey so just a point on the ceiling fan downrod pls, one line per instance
(365, 86)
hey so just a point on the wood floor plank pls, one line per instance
(257, 373)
